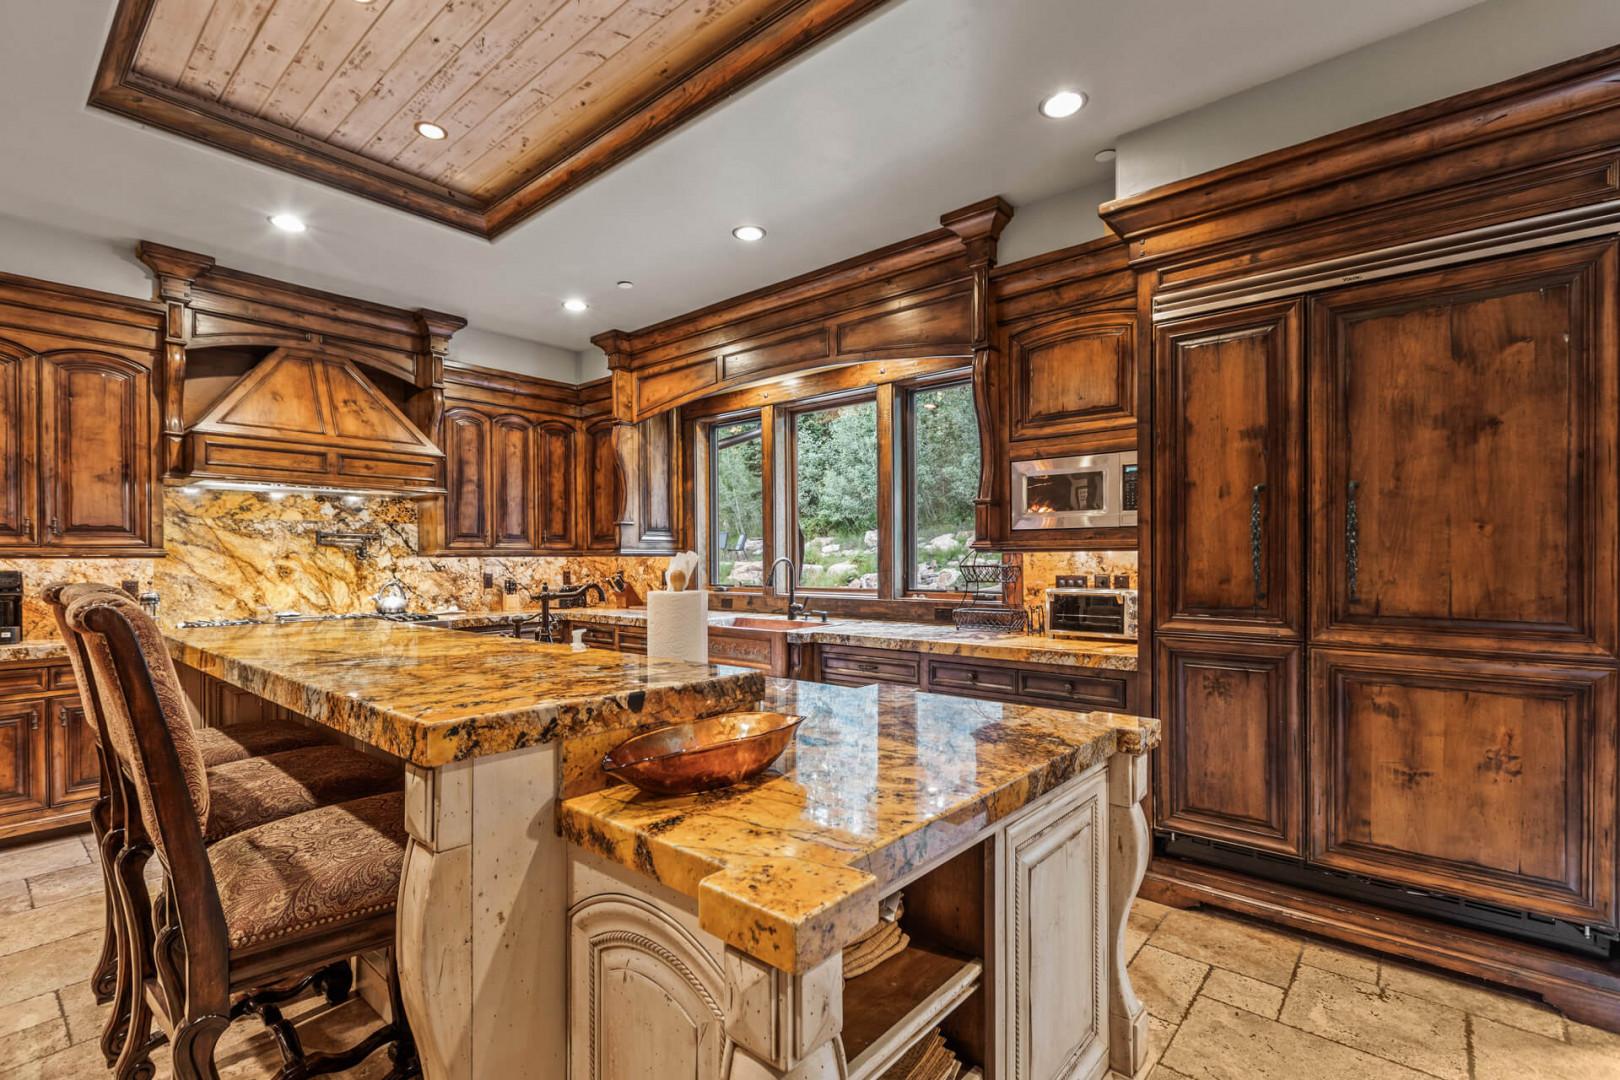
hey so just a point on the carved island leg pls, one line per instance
(1128, 860)
(434, 935)
(784, 1027)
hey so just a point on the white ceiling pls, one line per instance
(924, 107)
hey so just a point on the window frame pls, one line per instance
(792, 535)
(706, 432)
(907, 414)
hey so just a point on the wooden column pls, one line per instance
(175, 271)
(979, 228)
(1127, 863)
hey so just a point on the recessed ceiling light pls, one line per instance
(575, 304)
(290, 223)
(1063, 103)
(429, 130)
(626, 284)
(748, 233)
(1105, 156)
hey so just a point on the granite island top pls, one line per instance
(432, 696)
(911, 636)
(43, 649)
(790, 867)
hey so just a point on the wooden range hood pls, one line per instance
(315, 421)
(311, 413)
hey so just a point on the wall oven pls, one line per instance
(1094, 491)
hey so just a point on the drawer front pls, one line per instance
(741, 650)
(860, 666)
(62, 678)
(15, 681)
(971, 678)
(633, 641)
(1091, 691)
(600, 637)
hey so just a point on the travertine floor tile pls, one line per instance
(37, 859)
(1581, 1035)
(1227, 943)
(27, 1013)
(32, 1043)
(84, 1017)
(1160, 1035)
(1220, 1042)
(1509, 1053)
(81, 1062)
(1480, 1000)
(1150, 912)
(1162, 1073)
(43, 925)
(44, 968)
(1408, 1030)
(66, 884)
(1244, 992)
(1137, 931)
(1165, 982)
(1340, 961)
(14, 897)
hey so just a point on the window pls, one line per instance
(835, 485)
(737, 501)
(943, 462)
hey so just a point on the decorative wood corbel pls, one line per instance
(426, 405)
(174, 271)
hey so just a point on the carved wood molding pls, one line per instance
(924, 297)
(1448, 181)
(668, 97)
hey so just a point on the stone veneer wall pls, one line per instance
(238, 554)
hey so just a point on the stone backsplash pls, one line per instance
(240, 554)
(1041, 569)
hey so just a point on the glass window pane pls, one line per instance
(737, 525)
(836, 467)
(944, 481)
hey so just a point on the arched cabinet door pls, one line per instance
(466, 445)
(558, 520)
(512, 471)
(649, 1001)
(95, 425)
(19, 491)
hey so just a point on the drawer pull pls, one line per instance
(973, 676)
(864, 666)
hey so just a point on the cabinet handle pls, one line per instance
(28, 526)
(1256, 552)
(33, 724)
(56, 528)
(1352, 541)
(867, 667)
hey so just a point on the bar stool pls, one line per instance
(245, 793)
(258, 909)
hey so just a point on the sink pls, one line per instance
(779, 623)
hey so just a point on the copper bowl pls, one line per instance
(703, 755)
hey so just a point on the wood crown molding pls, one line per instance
(667, 92)
(1543, 143)
(915, 299)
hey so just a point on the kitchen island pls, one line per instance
(552, 923)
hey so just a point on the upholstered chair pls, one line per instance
(243, 793)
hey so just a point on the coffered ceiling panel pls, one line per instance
(534, 97)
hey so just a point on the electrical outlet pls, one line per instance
(489, 580)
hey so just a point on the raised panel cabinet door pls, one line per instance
(1463, 446)
(1487, 780)
(96, 450)
(467, 478)
(1232, 762)
(1054, 875)
(19, 491)
(556, 510)
(75, 769)
(513, 492)
(648, 1001)
(1227, 471)
(1073, 375)
(22, 756)
(604, 495)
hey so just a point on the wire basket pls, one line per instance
(988, 617)
(981, 576)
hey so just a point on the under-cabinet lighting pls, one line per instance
(1062, 104)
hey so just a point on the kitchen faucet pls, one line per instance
(795, 609)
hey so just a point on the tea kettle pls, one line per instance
(391, 598)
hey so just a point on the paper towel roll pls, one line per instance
(678, 625)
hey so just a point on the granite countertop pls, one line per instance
(790, 868)
(919, 637)
(431, 696)
(44, 649)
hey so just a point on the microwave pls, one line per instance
(1094, 491)
(1092, 613)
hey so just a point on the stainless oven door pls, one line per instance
(1067, 492)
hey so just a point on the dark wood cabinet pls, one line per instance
(511, 483)
(1227, 460)
(1232, 762)
(74, 771)
(22, 759)
(555, 453)
(1464, 453)
(95, 450)
(602, 495)
(466, 446)
(19, 498)
(1483, 779)
(1072, 375)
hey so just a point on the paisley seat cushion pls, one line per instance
(312, 872)
(252, 739)
(249, 793)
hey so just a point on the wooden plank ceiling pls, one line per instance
(535, 96)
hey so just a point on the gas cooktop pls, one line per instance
(283, 617)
